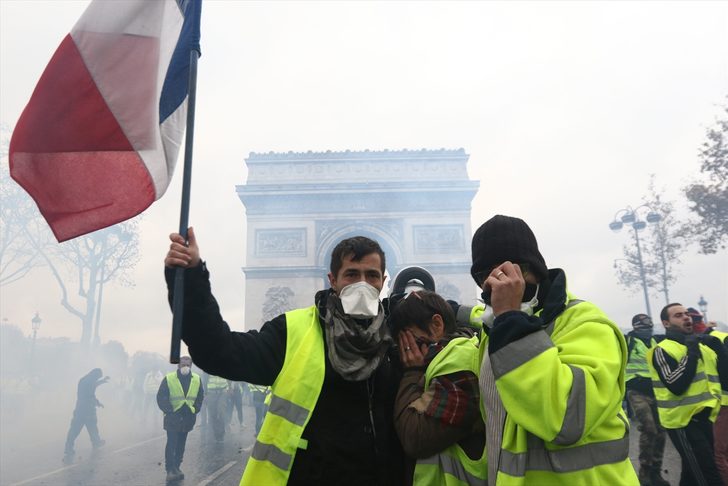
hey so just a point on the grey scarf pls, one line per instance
(355, 350)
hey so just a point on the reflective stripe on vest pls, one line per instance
(453, 467)
(293, 398)
(637, 364)
(573, 459)
(675, 411)
(215, 383)
(448, 471)
(523, 454)
(177, 398)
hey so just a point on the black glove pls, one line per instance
(692, 341)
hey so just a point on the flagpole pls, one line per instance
(179, 274)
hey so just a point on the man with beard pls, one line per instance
(684, 371)
(332, 378)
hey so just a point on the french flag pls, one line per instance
(98, 141)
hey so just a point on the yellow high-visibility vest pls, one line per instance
(177, 396)
(637, 363)
(215, 383)
(723, 336)
(675, 411)
(452, 466)
(293, 397)
(582, 437)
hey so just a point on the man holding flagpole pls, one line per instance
(331, 368)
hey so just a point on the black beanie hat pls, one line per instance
(504, 238)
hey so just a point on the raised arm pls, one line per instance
(253, 356)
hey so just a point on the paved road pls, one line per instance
(138, 459)
(206, 462)
(671, 459)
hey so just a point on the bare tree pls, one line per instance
(668, 241)
(709, 199)
(17, 210)
(87, 262)
(91, 261)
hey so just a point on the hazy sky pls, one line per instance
(565, 108)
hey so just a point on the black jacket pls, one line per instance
(183, 420)
(350, 435)
(86, 401)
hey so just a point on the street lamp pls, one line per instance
(630, 216)
(35, 325)
(703, 306)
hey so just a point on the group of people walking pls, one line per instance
(677, 386)
(523, 389)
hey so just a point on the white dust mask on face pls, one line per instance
(488, 317)
(360, 300)
(185, 370)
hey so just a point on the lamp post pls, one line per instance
(35, 324)
(630, 216)
(703, 306)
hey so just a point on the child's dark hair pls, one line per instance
(358, 247)
(418, 308)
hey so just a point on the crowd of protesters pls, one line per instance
(532, 386)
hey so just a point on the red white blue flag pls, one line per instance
(98, 141)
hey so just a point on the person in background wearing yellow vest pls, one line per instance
(641, 399)
(437, 412)
(552, 375)
(217, 401)
(684, 372)
(720, 428)
(180, 397)
(330, 366)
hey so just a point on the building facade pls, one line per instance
(416, 204)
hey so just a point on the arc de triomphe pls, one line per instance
(416, 204)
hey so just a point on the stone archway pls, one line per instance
(416, 204)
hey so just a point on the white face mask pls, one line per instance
(360, 300)
(185, 370)
(488, 317)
